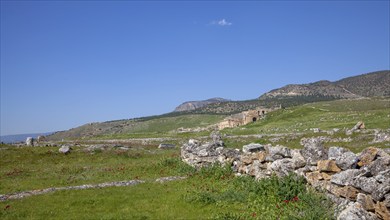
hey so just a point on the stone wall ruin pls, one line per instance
(359, 184)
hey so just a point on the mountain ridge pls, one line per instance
(192, 105)
(365, 85)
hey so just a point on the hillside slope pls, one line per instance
(192, 105)
(365, 85)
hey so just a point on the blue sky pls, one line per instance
(64, 64)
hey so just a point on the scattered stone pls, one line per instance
(41, 139)
(381, 137)
(170, 178)
(359, 126)
(30, 141)
(97, 147)
(166, 146)
(328, 166)
(65, 149)
(313, 151)
(250, 148)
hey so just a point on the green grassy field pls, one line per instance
(212, 193)
(297, 121)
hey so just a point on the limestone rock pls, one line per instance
(347, 192)
(65, 149)
(344, 158)
(355, 212)
(328, 166)
(367, 156)
(298, 159)
(359, 126)
(283, 166)
(344, 178)
(30, 141)
(41, 138)
(366, 202)
(367, 184)
(382, 211)
(381, 137)
(199, 155)
(386, 202)
(382, 189)
(250, 148)
(279, 152)
(216, 138)
(166, 146)
(313, 151)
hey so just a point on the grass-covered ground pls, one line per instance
(212, 193)
(290, 125)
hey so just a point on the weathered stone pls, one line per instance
(279, 152)
(344, 158)
(166, 146)
(355, 212)
(313, 151)
(344, 178)
(260, 156)
(283, 166)
(328, 166)
(347, 192)
(250, 148)
(381, 137)
(41, 138)
(246, 158)
(386, 202)
(170, 178)
(30, 141)
(366, 202)
(314, 178)
(382, 211)
(379, 165)
(382, 189)
(298, 159)
(65, 149)
(216, 138)
(367, 184)
(367, 156)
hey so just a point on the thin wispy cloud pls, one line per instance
(221, 22)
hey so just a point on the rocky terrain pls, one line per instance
(192, 105)
(375, 84)
(359, 184)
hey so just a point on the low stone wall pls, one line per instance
(359, 184)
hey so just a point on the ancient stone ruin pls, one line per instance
(359, 184)
(245, 117)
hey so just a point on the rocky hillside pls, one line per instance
(192, 105)
(366, 85)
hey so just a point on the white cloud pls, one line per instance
(221, 22)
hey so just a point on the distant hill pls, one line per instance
(203, 113)
(21, 137)
(375, 84)
(192, 105)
